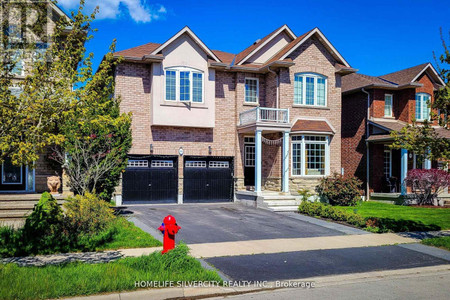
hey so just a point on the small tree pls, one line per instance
(97, 137)
(427, 184)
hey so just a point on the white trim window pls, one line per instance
(251, 90)
(388, 105)
(422, 106)
(387, 162)
(310, 89)
(310, 155)
(184, 84)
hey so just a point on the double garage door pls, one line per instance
(154, 179)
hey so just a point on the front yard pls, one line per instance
(429, 216)
(381, 217)
(74, 279)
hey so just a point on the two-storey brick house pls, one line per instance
(372, 107)
(208, 125)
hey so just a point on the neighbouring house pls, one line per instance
(29, 179)
(373, 107)
(211, 126)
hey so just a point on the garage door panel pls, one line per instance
(151, 179)
(208, 179)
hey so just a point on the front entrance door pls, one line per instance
(13, 177)
(249, 161)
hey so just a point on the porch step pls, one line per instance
(278, 202)
(16, 207)
(14, 214)
(286, 208)
(272, 203)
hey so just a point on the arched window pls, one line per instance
(184, 84)
(422, 106)
(310, 89)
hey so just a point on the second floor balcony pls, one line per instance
(264, 117)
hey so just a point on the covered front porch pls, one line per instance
(389, 167)
(271, 127)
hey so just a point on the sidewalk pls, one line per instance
(209, 250)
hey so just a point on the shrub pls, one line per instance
(305, 194)
(330, 212)
(427, 184)
(87, 214)
(8, 241)
(339, 190)
(43, 231)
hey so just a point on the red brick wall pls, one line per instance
(354, 107)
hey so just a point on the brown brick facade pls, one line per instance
(134, 86)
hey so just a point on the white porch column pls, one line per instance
(427, 162)
(403, 169)
(258, 161)
(285, 171)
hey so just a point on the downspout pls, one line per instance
(367, 144)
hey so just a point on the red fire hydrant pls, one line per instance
(169, 228)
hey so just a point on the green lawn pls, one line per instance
(439, 217)
(84, 279)
(440, 242)
(129, 236)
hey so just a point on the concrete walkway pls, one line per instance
(208, 250)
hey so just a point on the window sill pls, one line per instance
(310, 106)
(187, 104)
(389, 117)
(307, 176)
(251, 104)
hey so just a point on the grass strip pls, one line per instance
(75, 279)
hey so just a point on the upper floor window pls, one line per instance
(310, 89)
(184, 84)
(251, 90)
(388, 105)
(422, 106)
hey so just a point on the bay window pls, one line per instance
(310, 89)
(310, 155)
(184, 85)
(422, 106)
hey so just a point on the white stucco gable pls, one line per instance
(187, 32)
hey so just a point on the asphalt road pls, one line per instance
(304, 264)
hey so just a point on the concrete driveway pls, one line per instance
(212, 223)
